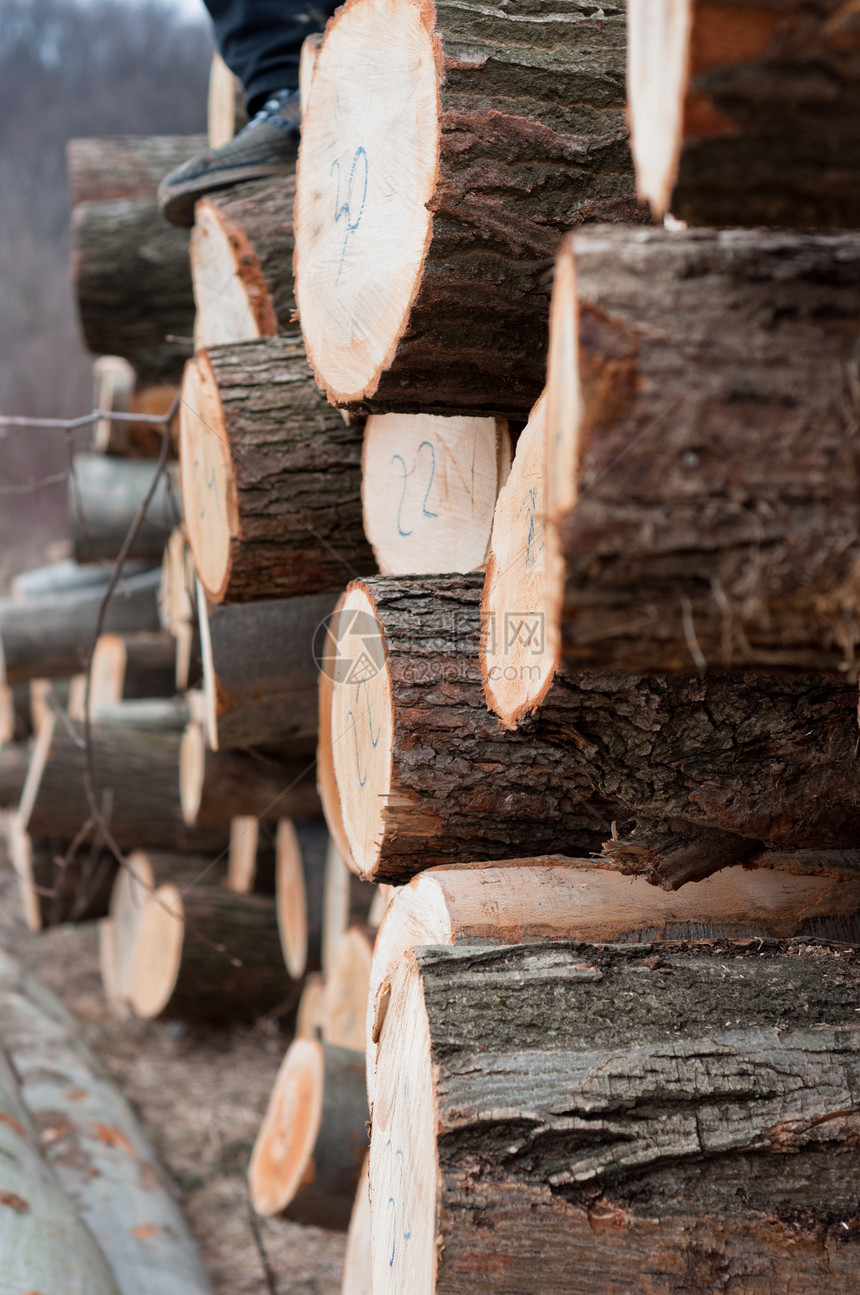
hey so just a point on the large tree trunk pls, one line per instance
(497, 133)
(428, 490)
(97, 1150)
(49, 636)
(526, 900)
(216, 786)
(206, 954)
(130, 268)
(412, 769)
(105, 495)
(308, 1154)
(746, 114)
(136, 788)
(704, 406)
(260, 671)
(271, 475)
(45, 1246)
(242, 262)
(639, 1119)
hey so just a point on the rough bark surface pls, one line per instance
(14, 761)
(104, 497)
(242, 782)
(257, 221)
(463, 789)
(533, 141)
(710, 770)
(295, 476)
(124, 166)
(680, 1119)
(716, 520)
(773, 95)
(49, 636)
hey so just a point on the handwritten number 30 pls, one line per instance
(344, 210)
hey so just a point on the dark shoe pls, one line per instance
(268, 145)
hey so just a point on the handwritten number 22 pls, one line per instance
(343, 210)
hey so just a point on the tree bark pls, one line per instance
(271, 479)
(763, 90)
(551, 900)
(500, 134)
(428, 489)
(708, 412)
(209, 955)
(45, 1245)
(593, 1110)
(124, 166)
(53, 890)
(413, 771)
(99, 1153)
(308, 1154)
(14, 762)
(260, 673)
(242, 262)
(105, 495)
(216, 786)
(136, 787)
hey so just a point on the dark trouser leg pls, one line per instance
(260, 40)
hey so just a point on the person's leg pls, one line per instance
(260, 40)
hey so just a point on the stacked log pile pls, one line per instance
(540, 527)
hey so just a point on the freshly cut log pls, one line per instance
(242, 262)
(358, 1263)
(113, 386)
(104, 497)
(45, 1246)
(309, 1012)
(132, 666)
(746, 114)
(55, 890)
(177, 604)
(136, 787)
(251, 864)
(497, 135)
(124, 166)
(260, 671)
(527, 900)
(14, 763)
(206, 954)
(97, 1150)
(271, 475)
(129, 267)
(346, 987)
(428, 489)
(49, 636)
(225, 105)
(300, 880)
(307, 65)
(520, 637)
(346, 902)
(612, 1128)
(714, 466)
(308, 1154)
(412, 769)
(144, 872)
(215, 786)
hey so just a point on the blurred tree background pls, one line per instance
(68, 68)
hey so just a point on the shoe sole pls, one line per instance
(178, 205)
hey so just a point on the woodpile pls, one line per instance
(517, 773)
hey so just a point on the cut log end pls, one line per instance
(355, 761)
(208, 489)
(291, 896)
(242, 865)
(233, 303)
(429, 487)
(158, 952)
(354, 263)
(520, 638)
(658, 37)
(192, 772)
(281, 1158)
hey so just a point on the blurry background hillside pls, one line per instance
(68, 68)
